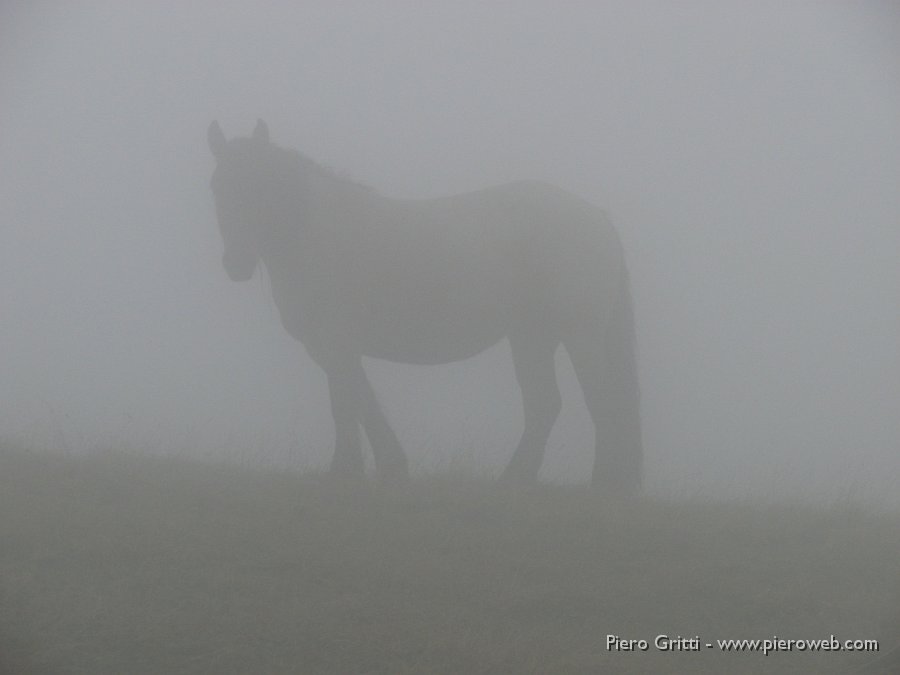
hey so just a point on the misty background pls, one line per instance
(748, 153)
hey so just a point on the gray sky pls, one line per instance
(749, 153)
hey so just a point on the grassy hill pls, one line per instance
(124, 564)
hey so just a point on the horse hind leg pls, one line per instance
(533, 361)
(608, 381)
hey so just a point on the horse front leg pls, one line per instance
(533, 361)
(390, 460)
(346, 384)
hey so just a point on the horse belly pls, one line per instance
(458, 304)
(434, 336)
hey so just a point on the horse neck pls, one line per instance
(322, 216)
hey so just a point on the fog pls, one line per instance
(747, 153)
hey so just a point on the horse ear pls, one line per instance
(216, 139)
(261, 132)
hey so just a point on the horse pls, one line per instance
(355, 273)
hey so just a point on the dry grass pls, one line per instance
(121, 564)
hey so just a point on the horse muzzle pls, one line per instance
(238, 269)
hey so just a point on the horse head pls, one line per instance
(241, 185)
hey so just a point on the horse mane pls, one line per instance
(296, 160)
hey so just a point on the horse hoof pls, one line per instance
(393, 480)
(343, 476)
(513, 479)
